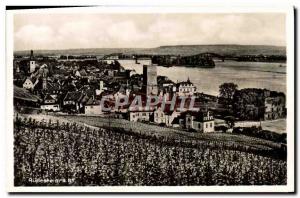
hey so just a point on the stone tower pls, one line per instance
(31, 63)
(150, 79)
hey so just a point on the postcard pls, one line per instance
(150, 99)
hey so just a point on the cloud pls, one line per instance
(61, 31)
(34, 35)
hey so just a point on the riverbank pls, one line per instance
(207, 80)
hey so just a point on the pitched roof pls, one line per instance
(83, 72)
(73, 96)
(32, 79)
(23, 94)
(184, 83)
(92, 101)
(50, 100)
(53, 86)
(85, 99)
(87, 89)
(198, 116)
(49, 97)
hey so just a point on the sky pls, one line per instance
(70, 31)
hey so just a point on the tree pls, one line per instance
(227, 91)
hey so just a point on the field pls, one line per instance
(53, 153)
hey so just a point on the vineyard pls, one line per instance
(167, 132)
(64, 154)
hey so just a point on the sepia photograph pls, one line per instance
(150, 100)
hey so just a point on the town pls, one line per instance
(76, 85)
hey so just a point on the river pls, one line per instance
(271, 76)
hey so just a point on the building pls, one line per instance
(274, 107)
(44, 85)
(185, 88)
(32, 66)
(72, 101)
(259, 104)
(140, 113)
(30, 83)
(160, 117)
(150, 80)
(112, 73)
(196, 121)
(81, 73)
(101, 89)
(93, 107)
(165, 117)
(201, 121)
(32, 63)
(140, 116)
(50, 104)
(54, 88)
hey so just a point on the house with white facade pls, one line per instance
(202, 122)
(93, 107)
(165, 117)
(140, 116)
(186, 88)
(50, 104)
(30, 83)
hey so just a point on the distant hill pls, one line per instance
(223, 49)
(176, 49)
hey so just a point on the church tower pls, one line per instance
(32, 65)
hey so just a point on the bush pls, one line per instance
(192, 130)
(221, 128)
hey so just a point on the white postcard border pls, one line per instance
(209, 9)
